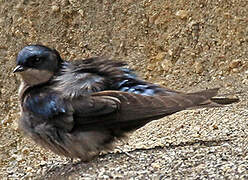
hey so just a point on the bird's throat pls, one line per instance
(33, 77)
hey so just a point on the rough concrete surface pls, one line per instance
(184, 45)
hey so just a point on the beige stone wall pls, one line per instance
(176, 43)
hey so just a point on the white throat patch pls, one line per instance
(34, 76)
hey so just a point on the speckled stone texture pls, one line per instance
(184, 45)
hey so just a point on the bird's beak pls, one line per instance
(19, 68)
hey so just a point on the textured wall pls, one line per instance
(175, 43)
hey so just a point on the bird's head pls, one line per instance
(37, 64)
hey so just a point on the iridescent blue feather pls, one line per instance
(45, 106)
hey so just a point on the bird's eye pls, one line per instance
(37, 59)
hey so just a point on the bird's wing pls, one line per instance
(121, 108)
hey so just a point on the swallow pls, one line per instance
(79, 108)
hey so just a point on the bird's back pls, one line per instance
(99, 74)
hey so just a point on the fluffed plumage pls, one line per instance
(78, 108)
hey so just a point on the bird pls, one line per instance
(79, 108)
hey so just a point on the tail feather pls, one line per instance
(224, 101)
(211, 100)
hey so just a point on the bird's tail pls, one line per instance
(213, 99)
